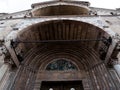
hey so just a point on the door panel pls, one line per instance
(61, 85)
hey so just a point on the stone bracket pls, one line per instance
(12, 53)
(113, 49)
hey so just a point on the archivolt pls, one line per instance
(83, 57)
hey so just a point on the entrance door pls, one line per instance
(61, 85)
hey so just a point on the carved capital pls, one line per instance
(7, 56)
(116, 37)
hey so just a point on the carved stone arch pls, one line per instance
(37, 56)
(60, 30)
(60, 9)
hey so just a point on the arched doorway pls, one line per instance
(61, 65)
(62, 85)
(78, 42)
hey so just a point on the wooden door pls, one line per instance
(61, 85)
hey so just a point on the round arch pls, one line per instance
(82, 57)
(37, 56)
(61, 30)
(58, 30)
(60, 9)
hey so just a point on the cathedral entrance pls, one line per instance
(62, 55)
(63, 75)
(61, 85)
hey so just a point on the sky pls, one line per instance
(10, 6)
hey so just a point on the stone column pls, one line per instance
(4, 69)
(4, 75)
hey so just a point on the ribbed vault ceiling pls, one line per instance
(61, 30)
